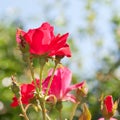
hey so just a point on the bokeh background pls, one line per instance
(94, 28)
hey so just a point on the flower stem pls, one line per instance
(42, 100)
(73, 110)
(51, 78)
(32, 74)
(23, 110)
(42, 103)
(48, 118)
(59, 107)
(42, 64)
(60, 114)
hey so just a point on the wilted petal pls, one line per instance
(18, 33)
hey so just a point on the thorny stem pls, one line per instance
(23, 110)
(73, 110)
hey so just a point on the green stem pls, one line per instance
(32, 74)
(48, 118)
(73, 111)
(23, 110)
(59, 107)
(60, 114)
(42, 100)
(41, 72)
(51, 78)
(42, 103)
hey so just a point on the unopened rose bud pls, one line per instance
(23, 45)
(15, 88)
(20, 39)
(85, 115)
(108, 107)
(51, 99)
(58, 59)
(59, 105)
(82, 91)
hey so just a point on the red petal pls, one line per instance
(28, 36)
(60, 83)
(69, 97)
(46, 26)
(73, 87)
(37, 46)
(64, 51)
(109, 103)
(59, 41)
(59, 47)
(15, 102)
(27, 92)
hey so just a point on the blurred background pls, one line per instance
(94, 28)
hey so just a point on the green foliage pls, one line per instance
(10, 64)
(10, 60)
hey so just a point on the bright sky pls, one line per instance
(33, 13)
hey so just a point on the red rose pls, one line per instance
(26, 92)
(42, 41)
(60, 86)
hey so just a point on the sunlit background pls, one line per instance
(94, 28)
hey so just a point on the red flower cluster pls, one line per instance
(42, 41)
(60, 87)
